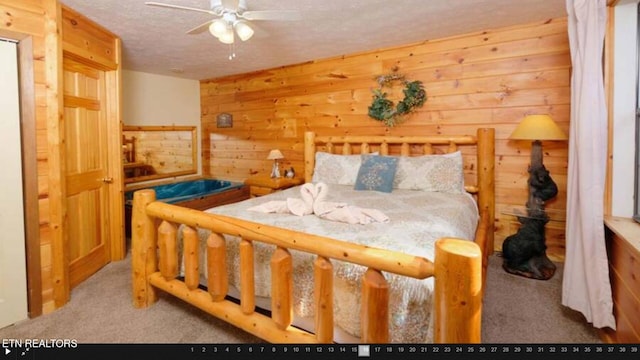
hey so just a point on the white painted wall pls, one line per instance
(152, 100)
(13, 275)
(624, 107)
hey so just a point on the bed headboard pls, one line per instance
(478, 154)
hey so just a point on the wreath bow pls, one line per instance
(383, 109)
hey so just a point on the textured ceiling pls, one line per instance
(155, 39)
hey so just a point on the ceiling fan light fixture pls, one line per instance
(244, 31)
(227, 37)
(218, 28)
(234, 19)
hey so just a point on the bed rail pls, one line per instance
(457, 270)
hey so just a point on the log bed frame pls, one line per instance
(459, 266)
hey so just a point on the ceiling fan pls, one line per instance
(232, 18)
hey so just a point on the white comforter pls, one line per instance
(416, 220)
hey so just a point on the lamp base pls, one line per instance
(524, 252)
(275, 170)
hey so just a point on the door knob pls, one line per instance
(107, 180)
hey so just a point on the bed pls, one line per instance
(415, 276)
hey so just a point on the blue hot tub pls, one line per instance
(198, 194)
(187, 190)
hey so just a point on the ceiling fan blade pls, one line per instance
(230, 4)
(179, 7)
(285, 15)
(201, 28)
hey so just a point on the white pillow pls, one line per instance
(336, 169)
(439, 173)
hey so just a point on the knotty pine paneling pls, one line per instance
(490, 78)
(83, 38)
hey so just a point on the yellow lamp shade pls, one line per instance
(275, 155)
(538, 127)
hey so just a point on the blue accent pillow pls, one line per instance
(376, 173)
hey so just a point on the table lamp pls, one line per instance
(275, 155)
(537, 128)
(524, 253)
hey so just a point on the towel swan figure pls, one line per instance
(342, 212)
(303, 206)
(321, 206)
(313, 201)
(300, 207)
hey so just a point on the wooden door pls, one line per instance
(87, 169)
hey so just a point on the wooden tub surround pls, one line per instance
(458, 268)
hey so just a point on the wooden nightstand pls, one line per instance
(264, 184)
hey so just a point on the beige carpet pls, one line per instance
(516, 310)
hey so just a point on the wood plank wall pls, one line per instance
(491, 78)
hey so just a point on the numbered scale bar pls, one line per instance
(333, 351)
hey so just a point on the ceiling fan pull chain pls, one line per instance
(232, 51)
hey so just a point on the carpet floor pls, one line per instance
(515, 310)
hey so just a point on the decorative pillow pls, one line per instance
(336, 169)
(376, 173)
(440, 173)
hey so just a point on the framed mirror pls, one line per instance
(157, 152)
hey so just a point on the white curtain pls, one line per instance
(586, 287)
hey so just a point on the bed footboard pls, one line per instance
(457, 270)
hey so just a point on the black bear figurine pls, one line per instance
(542, 185)
(524, 252)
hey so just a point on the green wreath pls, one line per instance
(382, 109)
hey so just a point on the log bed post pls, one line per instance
(458, 290)
(309, 155)
(486, 183)
(143, 249)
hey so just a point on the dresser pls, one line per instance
(623, 250)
